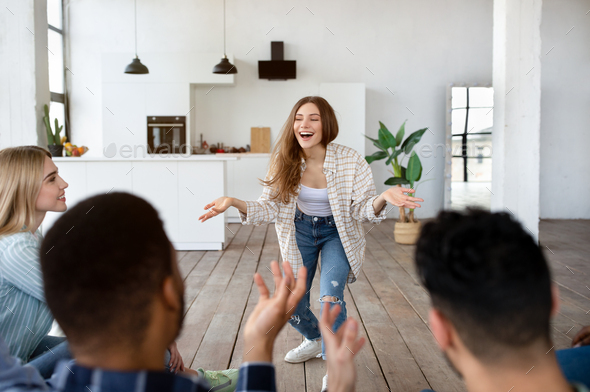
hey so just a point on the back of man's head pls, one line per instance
(103, 263)
(489, 278)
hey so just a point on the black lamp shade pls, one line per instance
(225, 67)
(136, 67)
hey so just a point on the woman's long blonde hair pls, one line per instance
(285, 165)
(21, 176)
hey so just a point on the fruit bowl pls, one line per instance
(74, 151)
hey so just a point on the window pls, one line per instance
(55, 47)
(471, 130)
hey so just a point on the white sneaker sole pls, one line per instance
(302, 360)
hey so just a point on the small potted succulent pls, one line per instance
(55, 143)
(394, 149)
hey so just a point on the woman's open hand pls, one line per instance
(218, 206)
(395, 195)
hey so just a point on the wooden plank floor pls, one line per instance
(387, 299)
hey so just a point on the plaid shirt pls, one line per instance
(68, 377)
(351, 192)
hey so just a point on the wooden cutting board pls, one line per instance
(260, 140)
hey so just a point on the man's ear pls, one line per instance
(440, 327)
(170, 294)
(554, 299)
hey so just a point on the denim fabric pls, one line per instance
(48, 353)
(575, 364)
(167, 357)
(316, 234)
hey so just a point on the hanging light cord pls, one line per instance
(136, 28)
(223, 29)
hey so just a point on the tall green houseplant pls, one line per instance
(394, 149)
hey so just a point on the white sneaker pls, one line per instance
(325, 383)
(305, 351)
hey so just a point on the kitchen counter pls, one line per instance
(153, 158)
(225, 156)
(244, 155)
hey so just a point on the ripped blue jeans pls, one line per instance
(316, 234)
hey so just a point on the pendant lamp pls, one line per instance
(136, 67)
(224, 67)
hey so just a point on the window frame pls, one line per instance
(62, 97)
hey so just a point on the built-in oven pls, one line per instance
(166, 134)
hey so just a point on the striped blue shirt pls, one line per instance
(25, 318)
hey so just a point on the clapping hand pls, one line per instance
(272, 313)
(341, 347)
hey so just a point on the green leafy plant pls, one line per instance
(52, 138)
(394, 149)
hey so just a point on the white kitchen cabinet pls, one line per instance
(198, 186)
(178, 188)
(242, 180)
(157, 182)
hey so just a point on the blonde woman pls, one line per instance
(30, 186)
(319, 193)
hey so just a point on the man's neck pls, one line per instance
(122, 358)
(543, 374)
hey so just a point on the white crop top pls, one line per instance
(314, 202)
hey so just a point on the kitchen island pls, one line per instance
(177, 186)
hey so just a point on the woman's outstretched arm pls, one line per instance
(220, 205)
(395, 196)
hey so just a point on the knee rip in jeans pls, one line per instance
(330, 299)
(295, 319)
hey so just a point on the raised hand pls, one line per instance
(218, 206)
(272, 313)
(341, 347)
(395, 195)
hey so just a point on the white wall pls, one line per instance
(565, 114)
(412, 48)
(24, 73)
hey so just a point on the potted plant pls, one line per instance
(55, 143)
(394, 149)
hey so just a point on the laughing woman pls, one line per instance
(319, 193)
(29, 187)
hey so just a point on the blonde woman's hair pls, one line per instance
(21, 176)
(285, 163)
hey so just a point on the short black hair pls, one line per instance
(103, 263)
(489, 278)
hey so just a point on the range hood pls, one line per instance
(277, 68)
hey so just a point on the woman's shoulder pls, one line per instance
(346, 153)
(19, 247)
(24, 238)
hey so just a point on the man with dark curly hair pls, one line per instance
(492, 299)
